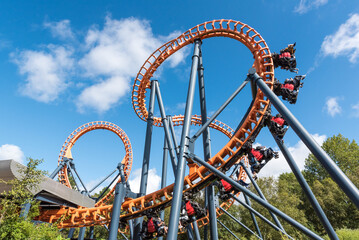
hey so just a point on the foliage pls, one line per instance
(12, 226)
(343, 152)
(346, 234)
(341, 212)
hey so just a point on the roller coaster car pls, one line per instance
(259, 157)
(193, 209)
(286, 59)
(152, 228)
(225, 188)
(289, 89)
(276, 125)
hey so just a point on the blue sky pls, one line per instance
(66, 63)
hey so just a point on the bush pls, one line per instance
(14, 227)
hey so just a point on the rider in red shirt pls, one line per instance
(286, 59)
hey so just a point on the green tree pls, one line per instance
(340, 211)
(343, 152)
(12, 226)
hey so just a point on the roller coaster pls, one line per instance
(122, 211)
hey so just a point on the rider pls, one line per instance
(277, 125)
(289, 89)
(286, 59)
(154, 224)
(225, 188)
(259, 157)
(193, 209)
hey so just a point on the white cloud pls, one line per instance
(332, 106)
(306, 5)
(153, 184)
(110, 56)
(116, 52)
(299, 152)
(45, 72)
(345, 41)
(103, 95)
(356, 110)
(9, 151)
(61, 29)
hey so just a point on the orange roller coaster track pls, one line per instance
(88, 127)
(200, 177)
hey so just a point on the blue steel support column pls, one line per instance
(92, 228)
(253, 217)
(259, 215)
(171, 149)
(120, 192)
(323, 218)
(334, 171)
(69, 168)
(78, 176)
(261, 194)
(189, 232)
(207, 151)
(81, 233)
(195, 228)
(164, 175)
(25, 210)
(262, 202)
(146, 156)
(130, 224)
(205, 228)
(181, 167)
(71, 233)
(173, 134)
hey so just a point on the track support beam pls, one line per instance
(195, 228)
(120, 192)
(207, 150)
(171, 148)
(180, 173)
(146, 156)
